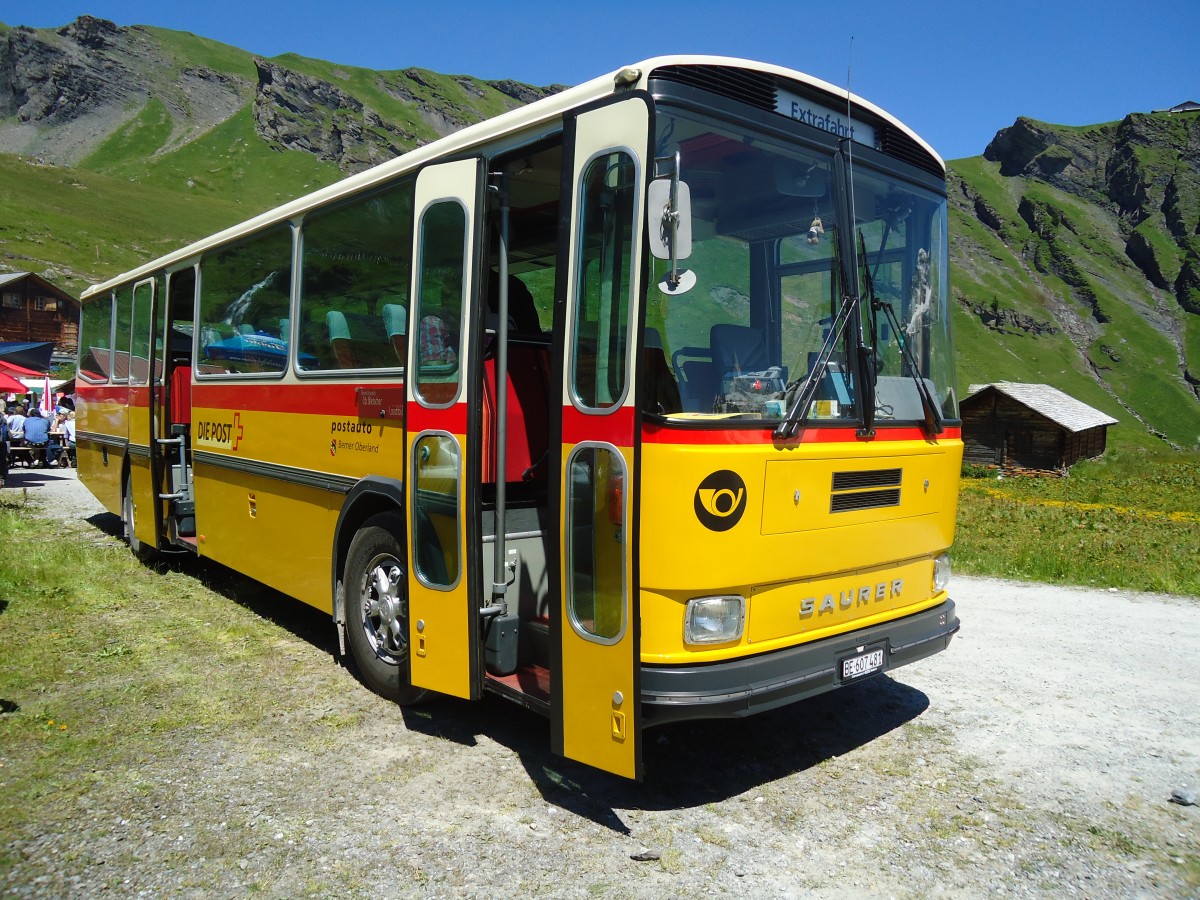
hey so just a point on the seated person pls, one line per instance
(69, 436)
(16, 427)
(3, 447)
(37, 431)
(522, 311)
(56, 446)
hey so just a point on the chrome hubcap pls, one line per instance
(385, 609)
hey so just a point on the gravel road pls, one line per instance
(1036, 757)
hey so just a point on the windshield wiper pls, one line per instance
(798, 411)
(933, 416)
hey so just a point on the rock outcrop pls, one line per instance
(1145, 168)
(64, 93)
(298, 112)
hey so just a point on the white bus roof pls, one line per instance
(523, 119)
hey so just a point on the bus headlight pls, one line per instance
(941, 573)
(714, 620)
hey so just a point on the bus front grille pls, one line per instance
(864, 500)
(866, 489)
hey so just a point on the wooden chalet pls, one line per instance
(1029, 426)
(33, 309)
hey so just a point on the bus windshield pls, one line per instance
(775, 258)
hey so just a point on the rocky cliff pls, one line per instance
(65, 93)
(1094, 232)
(1145, 168)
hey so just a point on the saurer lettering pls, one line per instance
(864, 595)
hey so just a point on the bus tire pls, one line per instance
(377, 609)
(127, 522)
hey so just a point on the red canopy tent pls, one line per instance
(9, 384)
(11, 368)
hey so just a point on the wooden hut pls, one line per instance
(33, 309)
(1029, 426)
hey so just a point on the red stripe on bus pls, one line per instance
(653, 433)
(616, 427)
(321, 399)
(453, 419)
(118, 393)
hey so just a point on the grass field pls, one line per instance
(109, 668)
(1128, 520)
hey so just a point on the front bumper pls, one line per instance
(756, 684)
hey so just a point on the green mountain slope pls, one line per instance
(1071, 251)
(75, 227)
(193, 134)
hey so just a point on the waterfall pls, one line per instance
(237, 309)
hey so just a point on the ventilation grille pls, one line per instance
(873, 489)
(898, 145)
(754, 88)
(853, 481)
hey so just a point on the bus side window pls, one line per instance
(357, 265)
(124, 330)
(244, 295)
(95, 340)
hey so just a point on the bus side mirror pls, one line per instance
(669, 225)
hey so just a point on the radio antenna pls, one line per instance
(849, 61)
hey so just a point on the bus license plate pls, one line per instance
(862, 664)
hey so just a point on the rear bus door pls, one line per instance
(144, 370)
(443, 623)
(595, 712)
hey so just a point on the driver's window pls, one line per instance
(601, 323)
(439, 308)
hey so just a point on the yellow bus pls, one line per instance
(632, 405)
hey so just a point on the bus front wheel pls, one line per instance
(377, 609)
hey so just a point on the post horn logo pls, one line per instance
(721, 500)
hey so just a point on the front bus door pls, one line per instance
(443, 624)
(594, 689)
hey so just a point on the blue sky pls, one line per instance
(956, 72)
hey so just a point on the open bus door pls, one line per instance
(443, 624)
(595, 715)
(140, 509)
(171, 400)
